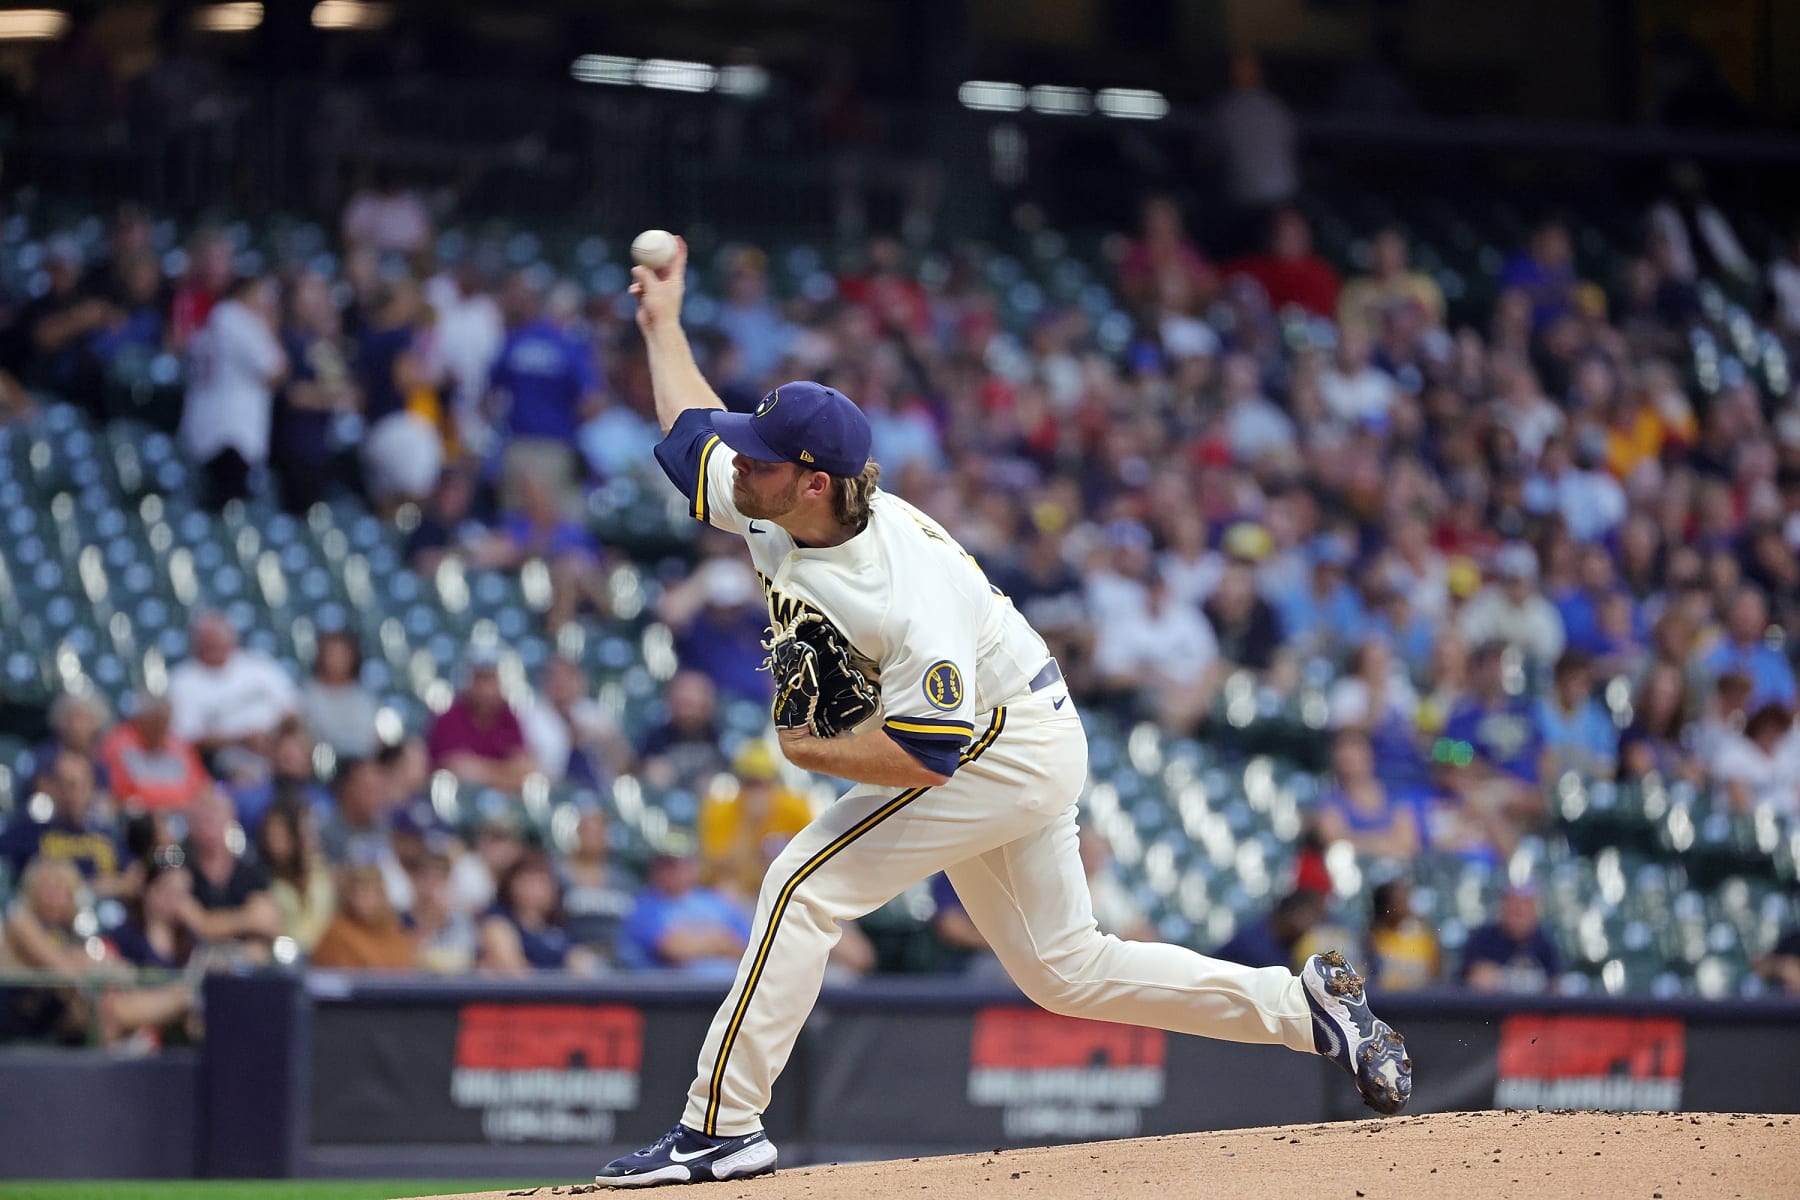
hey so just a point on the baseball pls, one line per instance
(653, 248)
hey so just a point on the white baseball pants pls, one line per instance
(1004, 829)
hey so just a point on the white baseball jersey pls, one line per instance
(943, 644)
(946, 647)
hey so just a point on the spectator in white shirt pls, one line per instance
(470, 331)
(387, 217)
(1254, 426)
(1192, 567)
(1590, 501)
(234, 363)
(226, 696)
(1417, 567)
(1512, 611)
(1166, 655)
(1354, 390)
(1117, 569)
(571, 736)
(1522, 407)
(1258, 135)
(1761, 766)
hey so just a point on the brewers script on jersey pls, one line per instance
(970, 692)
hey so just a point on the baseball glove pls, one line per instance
(815, 684)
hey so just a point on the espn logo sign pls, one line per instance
(547, 1072)
(1062, 1077)
(1617, 1064)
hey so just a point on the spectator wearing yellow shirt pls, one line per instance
(741, 833)
(1402, 951)
(1390, 284)
(1635, 434)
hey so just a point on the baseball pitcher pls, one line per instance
(898, 667)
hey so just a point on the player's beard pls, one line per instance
(770, 507)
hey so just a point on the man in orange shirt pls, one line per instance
(151, 767)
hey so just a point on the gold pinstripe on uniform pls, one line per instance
(702, 510)
(776, 912)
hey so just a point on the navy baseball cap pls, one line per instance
(804, 423)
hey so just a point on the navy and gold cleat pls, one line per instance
(1346, 1032)
(685, 1156)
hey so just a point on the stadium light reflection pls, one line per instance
(228, 18)
(670, 74)
(351, 14)
(604, 68)
(32, 24)
(1058, 100)
(676, 75)
(1132, 104)
(985, 95)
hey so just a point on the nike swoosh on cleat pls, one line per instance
(679, 1157)
(1059, 703)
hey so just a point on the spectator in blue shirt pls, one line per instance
(525, 930)
(318, 388)
(1579, 605)
(678, 924)
(751, 320)
(683, 749)
(719, 620)
(71, 832)
(1512, 953)
(1490, 753)
(136, 330)
(1545, 272)
(1271, 942)
(1577, 732)
(1496, 728)
(1327, 615)
(538, 527)
(1745, 652)
(545, 385)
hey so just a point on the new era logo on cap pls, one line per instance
(805, 423)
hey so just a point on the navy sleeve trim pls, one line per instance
(932, 727)
(684, 455)
(933, 753)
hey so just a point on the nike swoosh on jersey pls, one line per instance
(1059, 703)
(679, 1157)
(754, 529)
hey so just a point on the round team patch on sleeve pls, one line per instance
(943, 686)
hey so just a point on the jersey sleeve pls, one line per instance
(927, 687)
(699, 465)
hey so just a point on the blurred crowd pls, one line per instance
(1539, 541)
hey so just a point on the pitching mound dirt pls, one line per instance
(1493, 1155)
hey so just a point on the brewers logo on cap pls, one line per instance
(769, 401)
(943, 686)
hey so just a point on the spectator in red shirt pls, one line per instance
(1165, 249)
(205, 283)
(478, 738)
(1290, 273)
(893, 298)
(149, 765)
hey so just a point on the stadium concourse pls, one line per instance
(1427, 578)
(1509, 1155)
